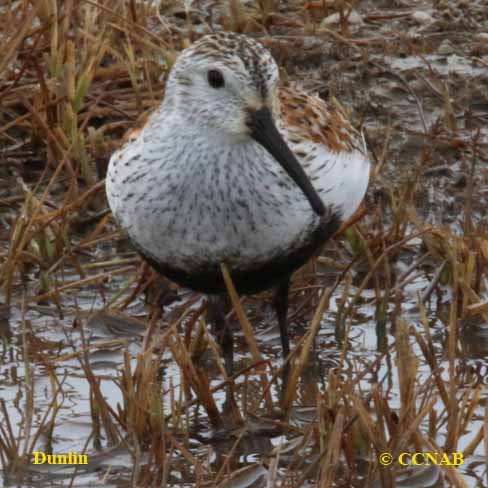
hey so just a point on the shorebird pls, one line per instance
(232, 168)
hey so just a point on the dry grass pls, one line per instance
(74, 76)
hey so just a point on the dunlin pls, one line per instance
(232, 168)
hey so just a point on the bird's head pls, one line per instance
(227, 84)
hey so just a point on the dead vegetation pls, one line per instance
(74, 76)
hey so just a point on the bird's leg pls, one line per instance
(281, 306)
(217, 311)
(218, 308)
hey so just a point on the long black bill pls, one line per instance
(264, 131)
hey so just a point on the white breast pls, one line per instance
(190, 203)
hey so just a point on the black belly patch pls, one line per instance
(252, 279)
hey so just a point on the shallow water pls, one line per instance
(74, 422)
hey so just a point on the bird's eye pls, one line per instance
(215, 78)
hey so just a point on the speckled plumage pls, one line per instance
(193, 189)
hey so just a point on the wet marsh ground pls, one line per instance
(100, 355)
